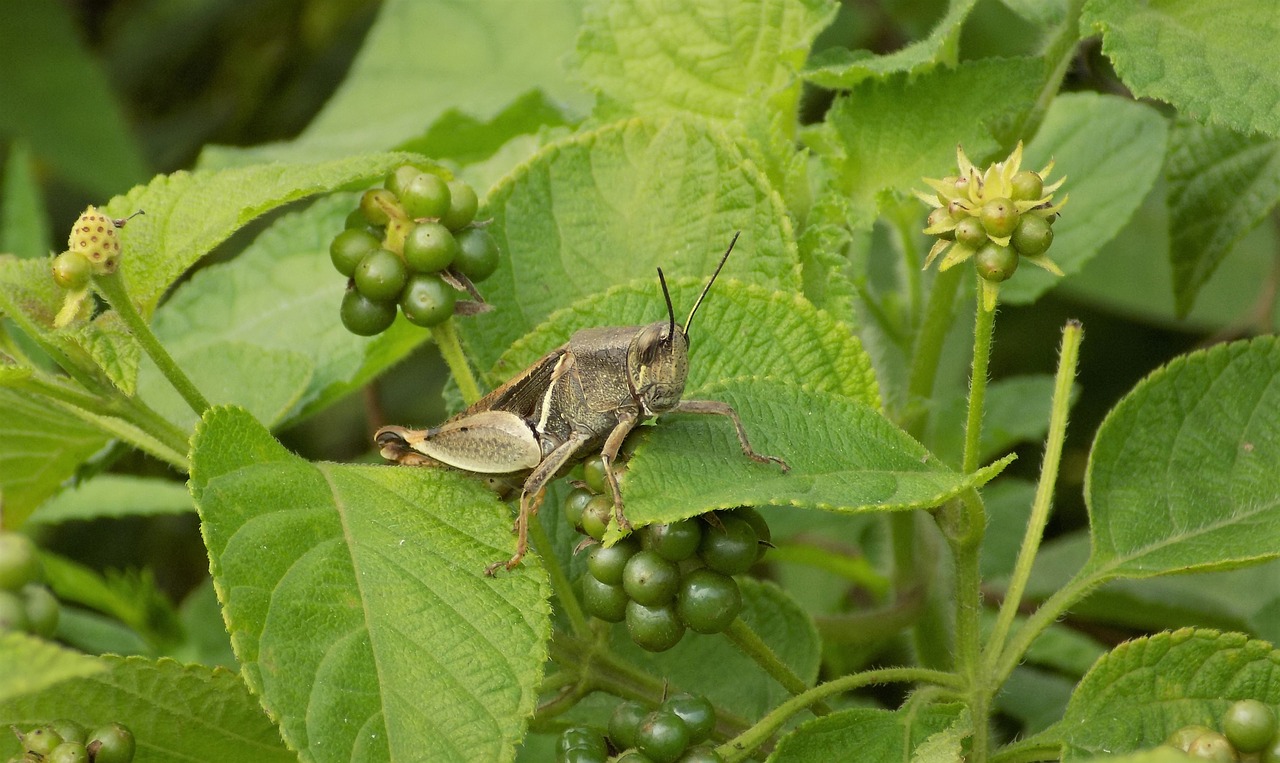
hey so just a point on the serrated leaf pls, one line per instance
(610, 205)
(114, 495)
(112, 347)
(875, 734)
(1143, 690)
(189, 213)
(1221, 185)
(945, 746)
(29, 664)
(843, 456)
(40, 446)
(1216, 63)
(823, 245)
(23, 218)
(875, 153)
(699, 57)
(356, 592)
(475, 57)
(839, 68)
(740, 330)
(713, 668)
(1110, 151)
(462, 137)
(1182, 474)
(281, 295)
(177, 713)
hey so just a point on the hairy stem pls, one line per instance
(559, 580)
(749, 643)
(1045, 615)
(446, 338)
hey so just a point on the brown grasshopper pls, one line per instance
(586, 394)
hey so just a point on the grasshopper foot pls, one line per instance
(763, 459)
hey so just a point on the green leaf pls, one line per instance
(357, 592)
(279, 302)
(463, 138)
(1036, 698)
(1215, 63)
(945, 746)
(115, 495)
(1017, 411)
(29, 664)
(1110, 151)
(843, 456)
(1145, 689)
(968, 104)
(840, 68)
(114, 350)
(177, 713)
(189, 213)
(422, 59)
(610, 205)
(824, 261)
(1182, 472)
(1221, 184)
(1039, 12)
(130, 596)
(715, 669)
(699, 56)
(40, 446)
(58, 98)
(875, 734)
(24, 220)
(740, 330)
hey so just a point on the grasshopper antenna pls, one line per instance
(707, 288)
(671, 311)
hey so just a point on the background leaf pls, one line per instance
(23, 218)
(1216, 63)
(875, 734)
(1182, 472)
(357, 593)
(115, 495)
(29, 665)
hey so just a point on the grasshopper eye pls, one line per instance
(650, 341)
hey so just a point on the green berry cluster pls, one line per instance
(1249, 735)
(412, 244)
(66, 741)
(676, 732)
(667, 577)
(25, 603)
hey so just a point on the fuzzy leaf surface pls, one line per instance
(1215, 62)
(356, 593)
(1183, 471)
(29, 664)
(875, 734)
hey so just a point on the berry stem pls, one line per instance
(1068, 355)
(749, 643)
(446, 338)
(114, 291)
(559, 580)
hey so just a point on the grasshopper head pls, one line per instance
(658, 358)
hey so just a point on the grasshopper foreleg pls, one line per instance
(717, 408)
(609, 453)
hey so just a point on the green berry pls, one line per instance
(70, 731)
(349, 247)
(1249, 725)
(650, 579)
(999, 217)
(378, 206)
(71, 270)
(607, 602)
(625, 722)
(41, 740)
(114, 744)
(607, 563)
(13, 612)
(634, 756)
(1183, 737)
(758, 523)
(19, 563)
(41, 608)
(596, 516)
(581, 744)
(662, 736)
(708, 600)
(398, 179)
(675, 541)
(68, 752)
(430, 248)
(427, 300)
(970, 232)
(654, 629)
(1027, 186)
(477, 254)
(381, 275)
(730, 548)
(364, 317)
(703, 753)
(1033, 235)
(593, 474)
(574, 503)
(425, 196)
(698, 714)
(940, 216)
(1212, 746)
(996, 263)
(463, 204)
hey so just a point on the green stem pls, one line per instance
(559, 580)
(749, 643)
(446, 338)
(984, 327)
(1028, 751)
(740, 747)
(1068, 356)
(113, 289)
(1045, 615)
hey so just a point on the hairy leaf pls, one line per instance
(29, 665)
(875, 734)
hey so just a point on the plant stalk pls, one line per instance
(446, 339)
(749, 643)
(559, 580)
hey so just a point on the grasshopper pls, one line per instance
(585, 395)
